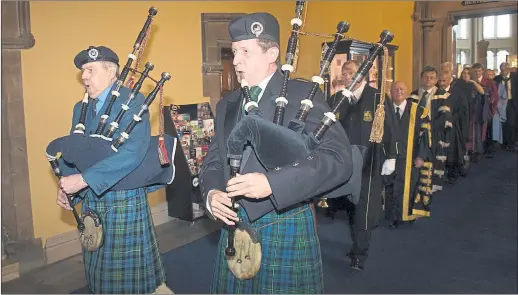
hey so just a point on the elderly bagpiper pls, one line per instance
(274, 204)
(129, 259)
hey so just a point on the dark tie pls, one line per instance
(254, 94)
(398, 113)
(506, 86)
(94, 107)
(423, 101)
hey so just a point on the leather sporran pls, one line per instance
(247, 261)
(92, 236)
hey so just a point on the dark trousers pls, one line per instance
(509, 129)
(360, 234)
(393, 208)
(489, 144)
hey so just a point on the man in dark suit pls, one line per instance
(356, 116)
(275, 203)
(508, 91)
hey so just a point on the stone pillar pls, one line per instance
(429, 41)
(482, 47)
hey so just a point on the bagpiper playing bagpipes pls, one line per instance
(273, 168)
(109, 162)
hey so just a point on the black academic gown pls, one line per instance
(412, 186)
(458, 103)
(357, 121)
(440, 121)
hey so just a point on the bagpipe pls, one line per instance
(83, 151)
(243, 251)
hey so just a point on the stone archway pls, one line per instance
(432, 28)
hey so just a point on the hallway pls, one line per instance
(468, 246)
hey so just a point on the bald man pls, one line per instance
(413, 137)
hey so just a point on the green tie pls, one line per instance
(254, 93)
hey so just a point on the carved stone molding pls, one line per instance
(16, 25)
(427, 23)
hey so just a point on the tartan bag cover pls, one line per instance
(291, 259)
(129, 261)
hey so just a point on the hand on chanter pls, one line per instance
(250, 185)
(220, 206)
(72, 184)
(62, 200)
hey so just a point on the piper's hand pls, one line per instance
(62, 200)
(250, 185)
(419, 162)
(220, 205)
(72, 184)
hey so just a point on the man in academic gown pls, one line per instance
(408, 193)
(434, 99)
(356, 116)
(458, 104)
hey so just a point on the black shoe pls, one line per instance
(395, 224)
(357, 264)
(330, 213)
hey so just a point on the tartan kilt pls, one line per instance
(129, 260)
(291, 258)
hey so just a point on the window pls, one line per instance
(495, 57)
(461, 29)
(463, 57)
(497, 26)
(490, 60)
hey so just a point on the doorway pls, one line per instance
(499, 30)
(229, 81)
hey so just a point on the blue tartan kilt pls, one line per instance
(129, 261)
(291, 259)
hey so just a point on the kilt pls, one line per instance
(291, 258)
(129, 261)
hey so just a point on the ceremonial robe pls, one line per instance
(412, 186)
(440, 121)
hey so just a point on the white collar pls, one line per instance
(400, 106)
(358, 92)
(431, 90)
(263, 84)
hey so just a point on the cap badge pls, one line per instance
(257, 29)
(93, 53)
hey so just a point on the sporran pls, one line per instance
(91, 237)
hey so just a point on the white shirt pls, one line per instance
(401, 108)
(358, 92)
(431, 92)
(263, 84)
